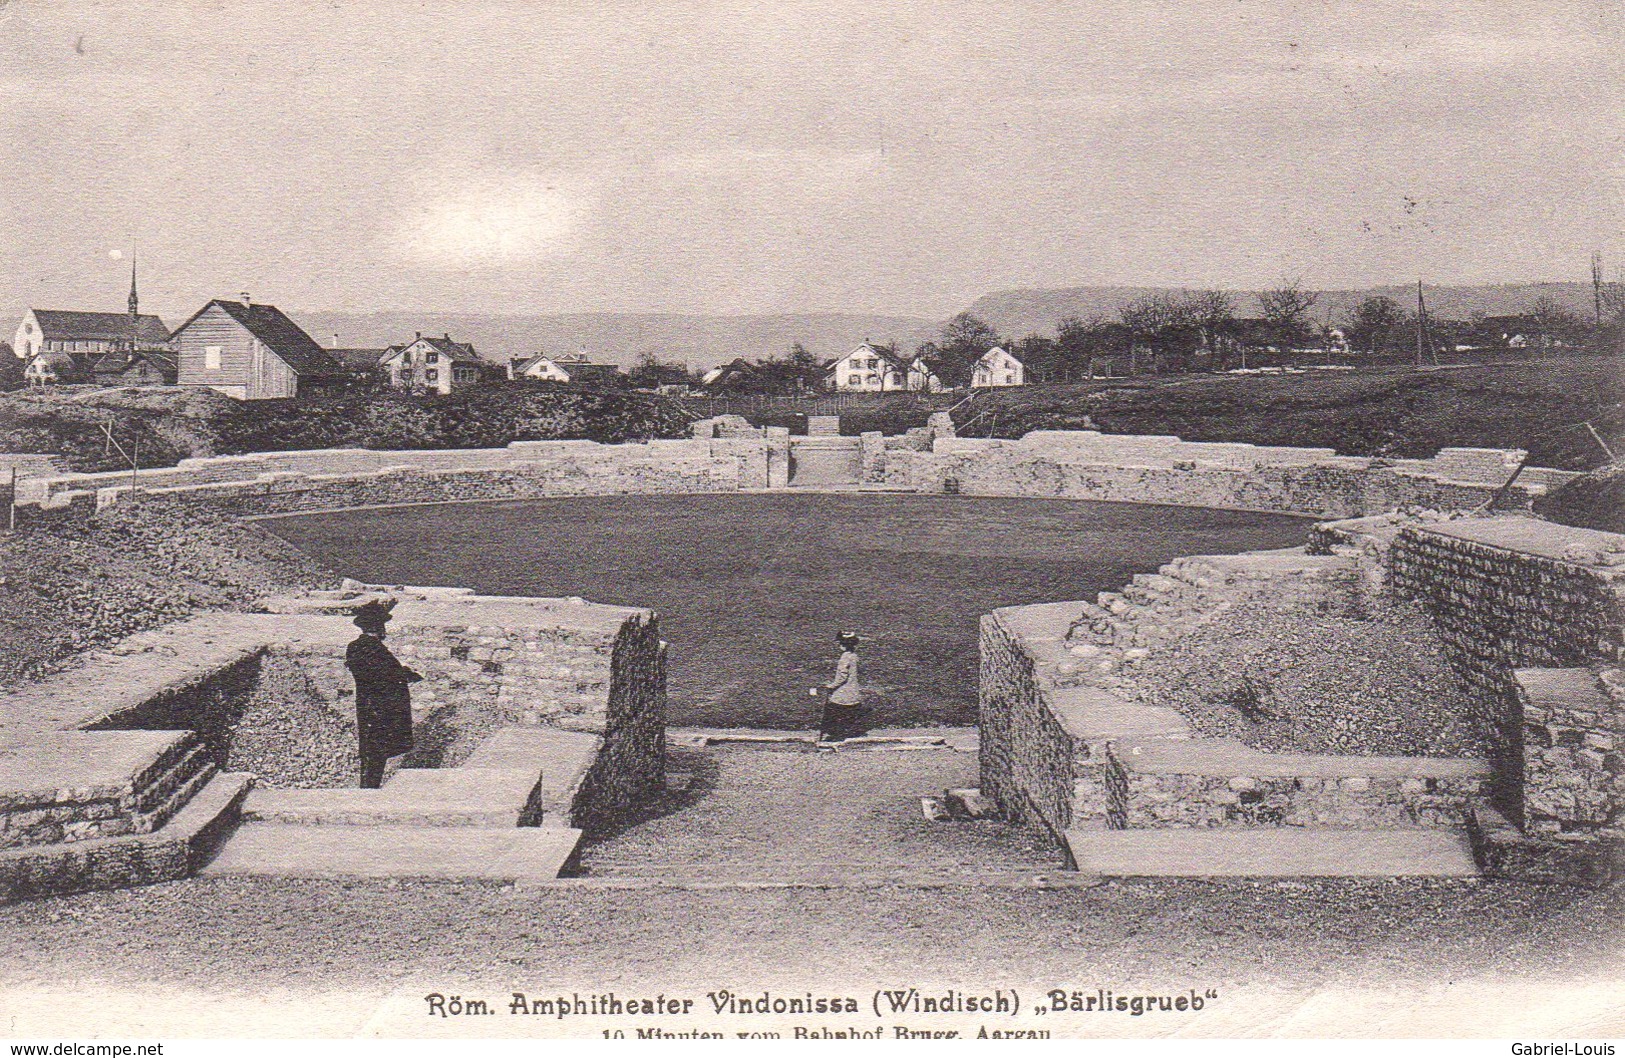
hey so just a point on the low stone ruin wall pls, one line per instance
(277, 482)
(1531, 615)
(728, 456)
(1073, 756)
(1084, 464)
(269, 693)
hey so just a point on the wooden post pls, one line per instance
(1595, 436)
(135, 457)
(11, 513)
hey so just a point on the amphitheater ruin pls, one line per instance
(128, 768)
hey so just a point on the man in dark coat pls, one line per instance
(383, 705)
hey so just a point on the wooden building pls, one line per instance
(251, 352)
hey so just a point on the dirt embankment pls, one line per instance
(70, 588)
(1538, 405)
(1376, 684)
(161, 426)
(1593, 501)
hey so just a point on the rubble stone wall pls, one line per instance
(727, 455)
(1084, 464)
(286, 709)
(1027, 757)
(1350, 801)
(1511, 594)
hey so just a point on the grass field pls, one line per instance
(751, 589)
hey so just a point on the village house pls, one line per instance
(54, 368)
(1509, 332)
(576, 369)
(251, 352)
(738, 375)
(86, 334)
(870, 369)
(437, 365)
(136, 367)
(997, 367)
(362, 363)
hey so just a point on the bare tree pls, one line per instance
(1286, 307)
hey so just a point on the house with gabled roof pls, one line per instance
(136, 367)
(360, 362)
(575, 368)
(53, 367)
(86, 334)
(437, 365)
(251, 352)
(869, 368)
(998, 367)
(736, 375)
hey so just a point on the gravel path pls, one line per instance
(250, 939)
(758, 812)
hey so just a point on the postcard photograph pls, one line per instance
(551, 520)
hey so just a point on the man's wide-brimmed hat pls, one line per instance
(373, 614)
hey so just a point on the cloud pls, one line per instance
(492, 218)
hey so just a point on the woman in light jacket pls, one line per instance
(841, 720)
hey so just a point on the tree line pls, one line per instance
(1188, 330)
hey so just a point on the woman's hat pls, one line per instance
(373, 613)
(848, 637)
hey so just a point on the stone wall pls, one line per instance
(727, 455)
(1075, 756)
(276, 482)
(1511, 593)
(1027, 756)
(1532, 617)
(1085, 464)
(270, 694)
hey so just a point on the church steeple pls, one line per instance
(134, 302)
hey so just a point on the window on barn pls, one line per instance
(432, 358)
(855, 380)
(431, 375)
(211, 358)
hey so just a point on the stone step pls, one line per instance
(1273, 853)
(421, 797)
(503, 855)
(82, 785)
(179, 848)
(828, 875)
(564, 757)
(158, 788)
(182, 785)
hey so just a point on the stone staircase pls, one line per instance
(85, 810)
(504, 816)
(1122, 626)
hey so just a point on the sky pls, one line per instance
(845, 156)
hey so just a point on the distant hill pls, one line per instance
(1021, 312)
(699, 341)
